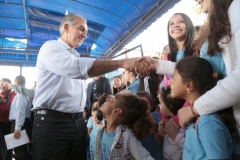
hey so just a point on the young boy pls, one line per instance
(94, 132)
(90, 124)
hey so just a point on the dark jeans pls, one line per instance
(24, 152)
(57, 138)
(5, 128)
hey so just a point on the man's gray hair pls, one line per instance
(70, 19)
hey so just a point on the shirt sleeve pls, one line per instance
(23, 90)
(135, 88)
(90, 123)
(215, 146)
(65, 63)
(165, 67)
(137, 150)
(226, 92)
(21, 112)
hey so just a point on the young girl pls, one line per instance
(128, 121)
(118, 85)
(152, 142)
(94, 132)
(212, 135)
(181, 33)
(101, 100)
(174, 139)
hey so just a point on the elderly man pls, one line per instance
(59, 130)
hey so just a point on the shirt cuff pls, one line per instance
(17, 127)
(202, 107)
(165, 67)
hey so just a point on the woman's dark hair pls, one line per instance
(173, 104)
(189, 39)
(136, 116)
(102, 99)
(144, 94)
(217, 26)
(99, 88)
(200, 72)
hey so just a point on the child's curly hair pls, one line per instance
(136, 116)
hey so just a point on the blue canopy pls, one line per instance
(26, 24)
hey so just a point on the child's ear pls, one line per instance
(190, 85)
(117, 111)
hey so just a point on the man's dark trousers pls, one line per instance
(59, 138)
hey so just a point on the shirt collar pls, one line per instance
(73, 51)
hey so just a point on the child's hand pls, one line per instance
(171, 121)
(171, 130)
(161, 126)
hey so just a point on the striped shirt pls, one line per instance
(59, 73)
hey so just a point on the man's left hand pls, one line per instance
(17, 134)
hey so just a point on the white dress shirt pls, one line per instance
(59, 70)
(227, 91)
(20, 109)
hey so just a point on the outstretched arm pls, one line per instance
(100, 67)
(23, 90)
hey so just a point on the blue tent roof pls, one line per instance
(27, 24)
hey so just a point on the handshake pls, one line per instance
(143, 66)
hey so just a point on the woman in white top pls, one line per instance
(224, 30)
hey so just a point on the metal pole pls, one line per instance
(25, 16)
(20, 70)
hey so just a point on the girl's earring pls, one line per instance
(187, 90)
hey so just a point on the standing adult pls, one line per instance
(20, 114)
(6, 98)
(59, 130)
(95, 89)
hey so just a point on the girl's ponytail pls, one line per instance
(145, 123)
(136, 116)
